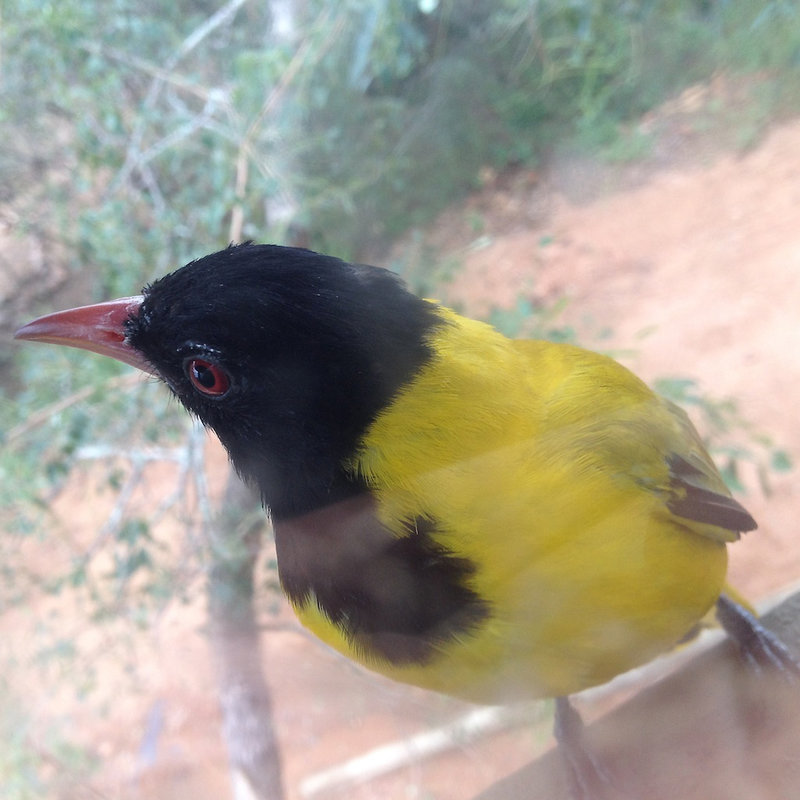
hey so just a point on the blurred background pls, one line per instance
(624, 174)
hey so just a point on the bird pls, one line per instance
(491, 518)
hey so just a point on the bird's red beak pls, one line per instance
(99, 328)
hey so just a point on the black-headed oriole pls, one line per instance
(489, 518)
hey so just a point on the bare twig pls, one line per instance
(218, 18)
(150, 181)
(41, 416)
(138, 460)
(475, 725)
(246, 151)
(245, 698)
(134, 150)
(180, 133)
(98, 452)
(149, 68)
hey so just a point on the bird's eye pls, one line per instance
(207, 377)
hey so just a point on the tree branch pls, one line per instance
(243, 692)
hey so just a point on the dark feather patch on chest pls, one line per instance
(394, 596)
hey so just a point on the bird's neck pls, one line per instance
(301, 484)
(301, 454)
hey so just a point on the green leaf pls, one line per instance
(781, 461)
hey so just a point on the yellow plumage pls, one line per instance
(488, 518)
(546, 466)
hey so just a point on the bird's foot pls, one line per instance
(759, 646)
(588, 779)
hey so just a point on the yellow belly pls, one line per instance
(582, 584)
(546, 468)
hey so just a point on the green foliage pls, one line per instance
(384, 121)
(407, 107)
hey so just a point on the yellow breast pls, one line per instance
(542, 466)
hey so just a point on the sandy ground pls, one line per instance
(695, 272)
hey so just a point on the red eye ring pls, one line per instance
(207, 377)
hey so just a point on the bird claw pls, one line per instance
(759, 646)
(587, 777)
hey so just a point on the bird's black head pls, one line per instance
(287, 355)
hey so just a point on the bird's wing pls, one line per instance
(696, 489)
(638, 435)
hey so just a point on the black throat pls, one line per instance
(317, 417)
(323, 404)
(316, 348)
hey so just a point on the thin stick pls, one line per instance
(44, 414)
(389, 757)
(134, 151)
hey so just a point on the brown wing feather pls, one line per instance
(692, 500)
